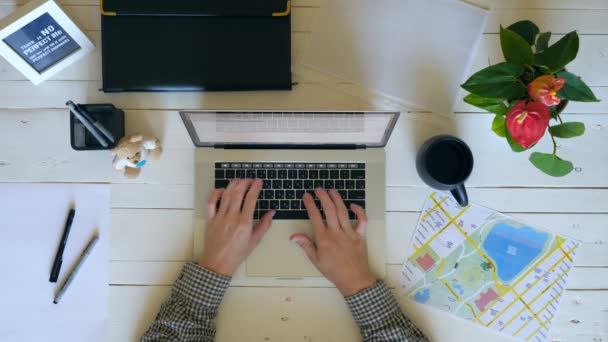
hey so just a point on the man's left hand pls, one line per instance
(231, 235)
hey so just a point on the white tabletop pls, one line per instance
(152, 216)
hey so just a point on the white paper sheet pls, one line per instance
(416, 51)
(32, 218)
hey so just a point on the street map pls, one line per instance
(487, 267)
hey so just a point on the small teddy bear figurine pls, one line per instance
(133, 151)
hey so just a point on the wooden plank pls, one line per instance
(164, 273)
(589, 278)
(144, 272)
(320, 314)
(573, 324)
(406, 199)
(165, 237)
(174, 196)
(86, 17)
(496, 165)
(307, 3)
(133, 309)
(379, 101)
(554, 20)
(580, 278)
(511, 200)
(53, 94)
(552, 4)
(151, 235)
(68, 166)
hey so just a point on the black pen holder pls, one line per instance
(112, 118)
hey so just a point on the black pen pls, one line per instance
(62, 243)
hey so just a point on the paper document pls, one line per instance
(416, 51)
(31, 225)
(487, 267)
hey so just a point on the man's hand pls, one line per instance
(340, 251)
(230, 235)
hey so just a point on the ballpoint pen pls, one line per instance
(62, 243)
(70, 278)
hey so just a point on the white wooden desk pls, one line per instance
(152, 216)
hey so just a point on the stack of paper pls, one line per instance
(417, 51)
(32, 222)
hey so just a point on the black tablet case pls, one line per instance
(196, 45)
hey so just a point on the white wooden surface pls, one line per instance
(152, 215)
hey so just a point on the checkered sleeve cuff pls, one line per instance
(373, 304)
(201, 286)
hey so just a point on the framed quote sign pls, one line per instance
(39, 40)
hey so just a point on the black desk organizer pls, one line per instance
(112, 118)
(196, 45)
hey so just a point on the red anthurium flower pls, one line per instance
(544, 89)
(527, 122)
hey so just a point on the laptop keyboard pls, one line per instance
(286, 183)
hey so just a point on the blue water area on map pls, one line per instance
(422, 296)
(458, 288)
(512, 249)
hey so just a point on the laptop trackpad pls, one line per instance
(276, 256)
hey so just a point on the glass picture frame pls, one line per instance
(40, 40)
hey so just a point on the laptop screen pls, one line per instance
(289, 129)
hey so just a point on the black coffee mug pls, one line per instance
(444, 163)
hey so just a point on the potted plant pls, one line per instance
(529, 89)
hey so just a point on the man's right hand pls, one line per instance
(339, 250)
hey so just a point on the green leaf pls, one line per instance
(542, 42)
(499, 127)
(575, 89)
(514, 146)
(558, 55)
(496, 106)
(568, 130)
(515, 48)
(551, 164)
(526, 29)
(500, 81)
(543, 70)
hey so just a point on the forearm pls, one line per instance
(379, 316)
(189, 313)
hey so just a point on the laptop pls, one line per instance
(293, 152)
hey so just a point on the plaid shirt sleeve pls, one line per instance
(189, 313)
(379, 316)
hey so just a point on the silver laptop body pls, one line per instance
(293, 152)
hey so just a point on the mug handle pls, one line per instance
(460, 195)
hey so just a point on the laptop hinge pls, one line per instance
(289, 147)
